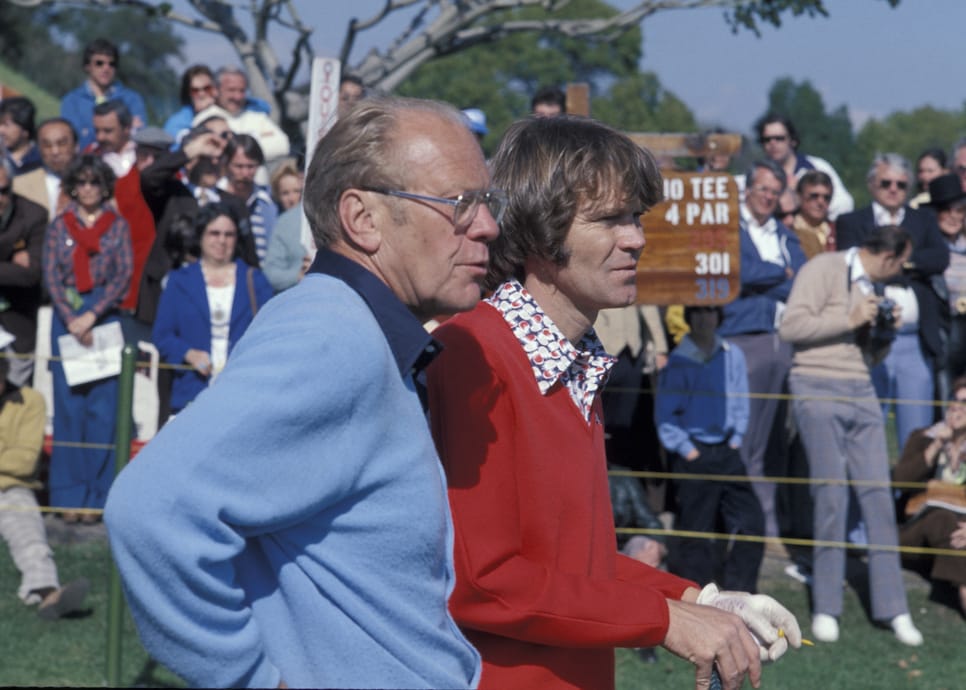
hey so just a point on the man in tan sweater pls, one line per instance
(835, 321)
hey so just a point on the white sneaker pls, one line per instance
(906, 631)
(825, 628)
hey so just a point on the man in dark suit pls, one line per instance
(908, 373)
(22, 226)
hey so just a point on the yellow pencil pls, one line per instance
(807, 643)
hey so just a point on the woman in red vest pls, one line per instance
(87, 267)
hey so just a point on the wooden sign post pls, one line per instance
(692, 251)
(692, 254)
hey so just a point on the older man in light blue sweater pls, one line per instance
(291, 526)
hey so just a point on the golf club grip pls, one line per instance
(715, 679)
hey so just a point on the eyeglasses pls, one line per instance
(207, 88)
(885, 184)
(464, 205)
(103, 63)
(768, 191)
(776, 138)
(814, 196)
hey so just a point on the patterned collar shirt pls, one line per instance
(582, 367)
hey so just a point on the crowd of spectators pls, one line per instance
(181, 234)
(131, 232)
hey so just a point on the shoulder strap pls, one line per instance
(250, 279)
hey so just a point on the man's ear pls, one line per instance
(356, 214)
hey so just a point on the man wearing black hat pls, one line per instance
(948, 200)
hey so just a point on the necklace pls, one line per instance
(218, 276)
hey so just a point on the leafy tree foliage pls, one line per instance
(830, 134)
(906, 133)
(500, 77)
(821, 133)
(46, 43)
(640, 103)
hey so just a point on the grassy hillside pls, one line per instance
(47, 104)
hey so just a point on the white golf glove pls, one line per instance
(764, 617)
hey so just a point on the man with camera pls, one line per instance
(908, 372)
(840, 327)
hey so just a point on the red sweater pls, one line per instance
(541, 590)
(134, 209)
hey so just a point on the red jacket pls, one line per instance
(134, 209)
(541, 590)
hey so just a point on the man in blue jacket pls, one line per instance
(292, 525)
(770, 257)
(101, 62)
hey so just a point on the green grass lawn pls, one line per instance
(71, 652)
(864, 658)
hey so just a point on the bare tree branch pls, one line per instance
(436, 28)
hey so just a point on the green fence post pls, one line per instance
(122, 453)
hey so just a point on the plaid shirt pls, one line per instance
(583, 368)
(111, 268)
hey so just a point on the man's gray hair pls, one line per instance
(769, 165)
(360, 151)
(229, 69)
(890, 160)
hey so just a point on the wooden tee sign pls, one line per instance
(692, 251)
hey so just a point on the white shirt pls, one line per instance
(53, 192)
(884, 216)
(219, 306)
(765, 237)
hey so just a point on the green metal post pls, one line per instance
(122, 453)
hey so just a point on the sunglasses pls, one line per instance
(776, 137)
(208, 88)
(104, 63)
(885, 184)
(812, 196)
(7, 189)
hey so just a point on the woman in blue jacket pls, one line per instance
(207, 305)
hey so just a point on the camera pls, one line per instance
(883, 330)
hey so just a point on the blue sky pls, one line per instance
(866, 56)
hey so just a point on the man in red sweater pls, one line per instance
(516, 413)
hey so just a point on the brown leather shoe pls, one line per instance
(65, 600)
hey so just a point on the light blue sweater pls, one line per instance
(292, 524)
